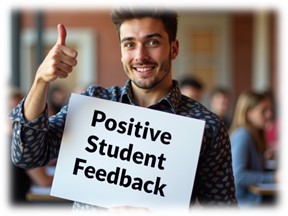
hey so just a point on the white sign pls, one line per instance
(114, 154)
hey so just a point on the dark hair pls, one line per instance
(221, 90)
(191, 81)
(168, 17)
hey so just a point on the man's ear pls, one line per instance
(174, 49)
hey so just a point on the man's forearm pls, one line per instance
(36, 99)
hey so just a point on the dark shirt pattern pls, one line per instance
(37, 142)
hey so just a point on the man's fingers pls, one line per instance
(61, 40)
(65, 68)
(61, 34)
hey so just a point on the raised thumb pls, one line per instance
(61, 34)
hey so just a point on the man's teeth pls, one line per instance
(143, 69)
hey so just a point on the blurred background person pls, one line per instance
(272, 132)
(192, 87)
(21, 180)
(219, 102)
(57, 98)
(248, 143)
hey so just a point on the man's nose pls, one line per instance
(141, 53)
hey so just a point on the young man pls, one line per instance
(148, 46)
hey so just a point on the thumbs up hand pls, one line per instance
(60, 60)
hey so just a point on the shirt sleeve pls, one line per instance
(34, 143)
(214, 182)
(244, 153)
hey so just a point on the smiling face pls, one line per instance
(260, 116)
(147, 53)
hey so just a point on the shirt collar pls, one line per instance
(172, 99)
(126, 94)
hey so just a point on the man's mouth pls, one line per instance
(144, 69)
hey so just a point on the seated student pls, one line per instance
(57, 98)
(219, 103)
(248, 144)
(192, 88)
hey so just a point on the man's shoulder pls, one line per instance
(95, 90)
(196, 109)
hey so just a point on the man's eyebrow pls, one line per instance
(146, 37)
(153, 35)
(126, 39)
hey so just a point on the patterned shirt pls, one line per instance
(37, 142)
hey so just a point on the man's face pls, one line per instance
(146, 52)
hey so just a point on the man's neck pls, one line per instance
(148, 97)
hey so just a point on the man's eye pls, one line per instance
(152, 43)
(128, 45)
